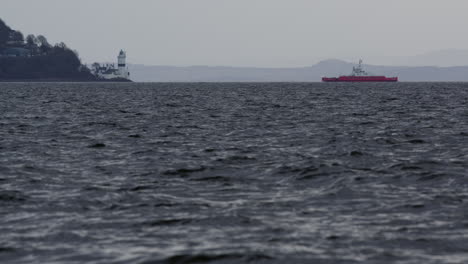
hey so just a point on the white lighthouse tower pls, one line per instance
(123, 70)
(109, 71)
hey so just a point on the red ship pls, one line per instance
(359, 75)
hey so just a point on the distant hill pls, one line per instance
(34, 59)
(142, 73)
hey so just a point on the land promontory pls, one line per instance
(33, 58)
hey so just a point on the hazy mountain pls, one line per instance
(330, 68)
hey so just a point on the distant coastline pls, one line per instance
(314, 73)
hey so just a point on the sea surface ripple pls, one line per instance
(234, 173)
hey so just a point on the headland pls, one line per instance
(34, 59)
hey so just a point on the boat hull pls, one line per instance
(360, 79)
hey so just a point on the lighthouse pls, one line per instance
(123, 71)
(109, 71)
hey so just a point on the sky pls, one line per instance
(258, 33)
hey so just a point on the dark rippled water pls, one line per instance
(234, 173)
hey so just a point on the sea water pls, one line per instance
(233, 173)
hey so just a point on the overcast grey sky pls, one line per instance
(270, 33)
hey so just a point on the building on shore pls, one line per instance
(109, 71)
(15, 52)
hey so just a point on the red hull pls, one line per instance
(360, 79)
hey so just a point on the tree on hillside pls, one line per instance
(3, 24)
(31, 40)
(4, 33)
(43, 41)
(17, 36)
(32, 44)
(95, 68)
(61, 45)
(44, 45)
